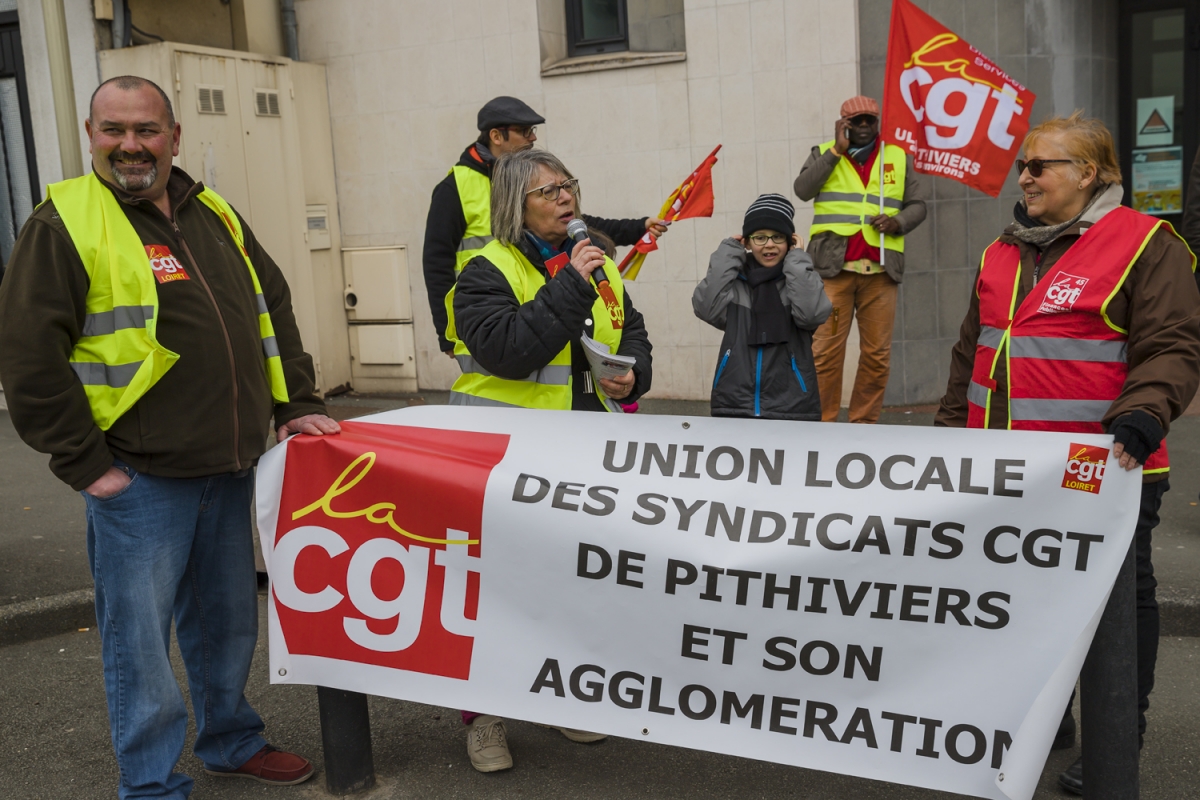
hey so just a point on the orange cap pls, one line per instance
(859, 105)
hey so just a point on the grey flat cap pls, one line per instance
(507, 111)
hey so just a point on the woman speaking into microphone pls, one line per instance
(517, 317)
(520, 309)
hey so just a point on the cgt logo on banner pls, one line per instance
(908, 605)
(949, 105)
(375, 552)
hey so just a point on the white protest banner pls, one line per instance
(909, 605)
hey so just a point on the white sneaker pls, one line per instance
(487, 744)
(576, 735)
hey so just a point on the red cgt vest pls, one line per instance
(1065, 358)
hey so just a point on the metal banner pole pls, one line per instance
(346, 738)
(1108, 696)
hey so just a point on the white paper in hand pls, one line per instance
(605, 366)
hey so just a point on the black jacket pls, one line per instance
(512, 340)
(777, 381)
(446, 224)
(211, 412)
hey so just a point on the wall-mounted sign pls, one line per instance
(1155, 122)
(1158, 180)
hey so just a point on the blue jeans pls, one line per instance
(181, 548)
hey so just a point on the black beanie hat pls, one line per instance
(772, 212)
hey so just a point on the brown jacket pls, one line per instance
(828, 249)
(211, 412)
(1158, 304)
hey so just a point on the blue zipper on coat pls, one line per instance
(758, 384)
(799, 377)
(720, 368)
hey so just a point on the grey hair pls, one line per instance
(511, 180)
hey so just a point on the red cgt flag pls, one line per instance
(693, 198)
(956, 112)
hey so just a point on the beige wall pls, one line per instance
(406, 77)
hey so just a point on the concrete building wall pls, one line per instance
(1065, 51)
(406, 78)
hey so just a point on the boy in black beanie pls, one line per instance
(761, 290)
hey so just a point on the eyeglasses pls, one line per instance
(762, 238)
(1035, 165)
(526, 131)
(862, 119)
(551, 190)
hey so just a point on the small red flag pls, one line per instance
(949, 105)
(693, 198)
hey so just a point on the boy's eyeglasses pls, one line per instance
(1035, 165)
(762, 238)
(551, 190)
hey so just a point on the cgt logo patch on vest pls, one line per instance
(377, 556)
(165, 265)
(1062, 293)
(889, 174)
(1085, 468)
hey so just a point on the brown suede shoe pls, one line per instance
(276, 767)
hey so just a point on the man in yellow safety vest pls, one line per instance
(460, 221)
(858, 250)
(146, 342)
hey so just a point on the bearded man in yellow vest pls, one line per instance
(459, 222)
(146, 342)
(858, 251)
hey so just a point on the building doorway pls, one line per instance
(1159, 55)
(19, 191)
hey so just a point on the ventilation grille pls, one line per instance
(211, 99)
(266, 103)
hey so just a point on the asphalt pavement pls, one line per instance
(54, 736)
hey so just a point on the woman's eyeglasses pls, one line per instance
(762, 238)
(1036, 165)
(551, 190)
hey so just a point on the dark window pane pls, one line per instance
(601, 19)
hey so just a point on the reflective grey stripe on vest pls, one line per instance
(977, 394)
(120, 318)
(554, 375)
(990, 337)
(95, 374)
(835, 219)
(463, 399)
(1056, 349)
(270, 347)
(474, 243)
(888, 202)
(839, 197)
(1058, 410)
(613, 405)
(262, 304)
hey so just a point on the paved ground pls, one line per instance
(54, 732)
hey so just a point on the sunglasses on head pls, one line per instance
(862, 119)
(1036, 165)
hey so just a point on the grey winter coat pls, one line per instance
(828, 249)
(775, 381)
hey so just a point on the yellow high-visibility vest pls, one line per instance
(475, 194)
(845, 207)
(118, 357)
(550, 386)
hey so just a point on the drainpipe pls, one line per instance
(120, 24)
(63, 87)
(287, 13)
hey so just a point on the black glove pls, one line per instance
(1139, 432)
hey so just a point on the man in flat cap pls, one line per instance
(460, 219)
(845, 242)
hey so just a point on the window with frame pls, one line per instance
(596, 26)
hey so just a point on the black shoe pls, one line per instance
(1065, 738)
(1072, 778)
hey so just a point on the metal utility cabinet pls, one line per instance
(256, 129)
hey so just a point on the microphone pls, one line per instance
(577, 230)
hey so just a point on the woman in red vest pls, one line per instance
(1083, 333)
